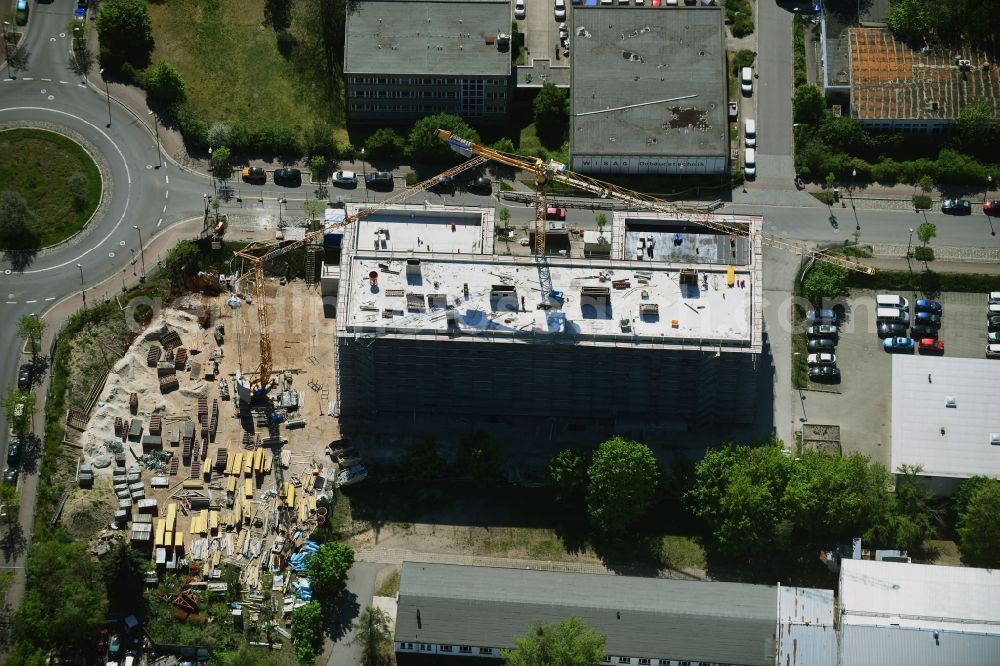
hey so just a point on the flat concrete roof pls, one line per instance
(947, 441)
(422, 229)
(441, 37)
(631, 55)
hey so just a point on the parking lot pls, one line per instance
(860, 404)
(541, 30)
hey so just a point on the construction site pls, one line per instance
(201, 478)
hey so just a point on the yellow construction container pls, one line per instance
(248, 488)
(159, 526)
(230, 459)
(213, 521)
(258, 461)
(178, 539)
(193, 484)
(268, 460)
(290, 495)
(171, 516)
(238, 463)
(231, 485)
(248, 463)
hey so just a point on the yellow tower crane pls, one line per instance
(556, 171)
(259, 253)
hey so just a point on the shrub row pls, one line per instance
(928, 282)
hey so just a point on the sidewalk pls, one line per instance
(902, 264)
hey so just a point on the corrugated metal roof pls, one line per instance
(920, 596)
(806, 635)
(641, 617)
(920, 412)
(899, 646)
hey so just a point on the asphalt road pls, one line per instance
(772, 94)
(357, 597)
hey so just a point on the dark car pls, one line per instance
(924, 305)
(822, 316)
(891, 330)
(481, 184)
(924, 331)
(994, 323)
(991, 207)
(903, 345)
(13, 451)
(25, 376)
(821, 331)
(10, 476)
(927, 319)
(381, 179)
(287, 175)
(254, 174)
(824, 373)
(956, 206)
(821, 344)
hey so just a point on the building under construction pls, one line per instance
(664, 327)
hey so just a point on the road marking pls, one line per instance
(164, 208)
(31, 301)
(64, 82)
(128, 172)
(44, 79)
(11, 302)
(51, 298)
(159, 222)
(166, 195)
(28, 78)
(168, 180)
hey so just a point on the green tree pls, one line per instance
(926, 183)
(977, 507)
(278, 14)
(551, 113)
(423, 146)
(842, 134)
(569, 643)
(26, 654)
(975, 126)
(328, 567)
(479, 458)
(221, 167)
(30, 329)
(831, 180)
(124, 572)
(622, 481)
(504, 145)
(320, 170)
(218, 133)
(20, 407)
(164, 84)
(372, 635)
(602, 221)
(568, 473)
(915, 515)
(384, 144)
(825, 280)
(313, 209)
(925, 232)
(505, 220)
(125, 32)
(15, 222)
(181, 262)
(11, 500)
(307, 630)
(808, 104)
(421, 460)
(908, 20)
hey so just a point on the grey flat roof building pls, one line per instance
(729, 623)
(625, 56)
(440, 37)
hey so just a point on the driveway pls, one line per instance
(357, 597)
(773, 94)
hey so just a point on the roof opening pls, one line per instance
(949, 402)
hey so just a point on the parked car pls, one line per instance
(480, 184)
(345, 179)
(991, 207)
(379, 179)
(930, 346)
(10, 476)
(993, 298)
(992, 351)
(956, 206)
(924, 305)
(893, 345)
(993, 323)
(25, 376)
(927, 318)
(746, 81)
(288, 175)
(824, 373)
(993, 338)
(351, 476)
(826, 316)
(254, 174)
(560, 10)
(924, 331)
(821, 330)
(821, 344)
(891, 330)
(824, 358)
(14, 451)
(21, 12)
(338, 447)
(348, 459)
(520, 11)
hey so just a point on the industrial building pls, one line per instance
(944, 419)
(408, 59)
(648, 90)
(667, 329)
(895, 614)
(462, 611)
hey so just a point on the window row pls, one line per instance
(422, 81)
(421, 94)
(422, 108)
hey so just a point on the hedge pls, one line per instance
(928, 282)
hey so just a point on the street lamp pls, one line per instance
(6, 49)
(107, 91)
(124, 288)
(909, 244)
(364, 171)
(83, 287)
(159, 159)
(802, 398)
(854, 182)
(142, 253)
(989, 186)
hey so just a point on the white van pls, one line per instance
(992, 310)
(992, 351)
(994, 297)
(750, 163)
(892, 314)
(750, 132)
(891, 301)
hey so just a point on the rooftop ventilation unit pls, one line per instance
(995, 438)
(950, 403)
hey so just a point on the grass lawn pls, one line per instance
(231, 66)
(38, 164)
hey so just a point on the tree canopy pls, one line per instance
(622, 482)
(423, 146)
(30, 329)
(825, 280)
(909, 20)
(164, 84)
(551, 113)
(328, 567)
(125, 32)
(422, 461)
(19, 407)
(808, 104)
(569, 643)
(926, 231)
(372, 635)
(221, 167)
(568, 473)
(977, 506)
(307, 628)
(384, 144)
(15, 220)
